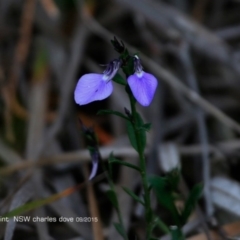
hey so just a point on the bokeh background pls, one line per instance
(193, 49)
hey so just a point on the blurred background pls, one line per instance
(193, 49)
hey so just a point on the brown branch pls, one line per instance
(20, 56)
(83, 156)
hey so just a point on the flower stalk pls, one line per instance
(117, 208)
(142, 166)
(140, 87)
(93, 148)
(131, 66)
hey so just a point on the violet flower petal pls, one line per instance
(143, 87)
(92, 87)
(94, 170)
(95, 160)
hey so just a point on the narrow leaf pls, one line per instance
(41, 202)
(30, 206)
(110, 159)
(161, 225)
(106, 111)
(133, 195)
(113, 198)
(120, 229)
(176, 233)
(119, 79)
(165, 197)
(126, 164)
(146, 127)
(173, 179)
(136, 134)
(191, 202)
(131, 135)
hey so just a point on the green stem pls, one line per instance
(177, 233)
(142, 165)
(119, 214)
(162, 226)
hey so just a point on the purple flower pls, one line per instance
(143, 85)
(95, 160)
(93, 87)
(93, 148)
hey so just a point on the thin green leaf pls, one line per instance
(176, 233)
(40, 63)
(107, 111)
(110, 159)
(126, 164)
(164, 196)
(26, 208)
(113, 198)
(35, 204)
(120, 229)
(191, 202)
(119, 79)
(146, 127)
(137, 134)
(161, 225)
(131, 135)
(133, 195)
(173, 179)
